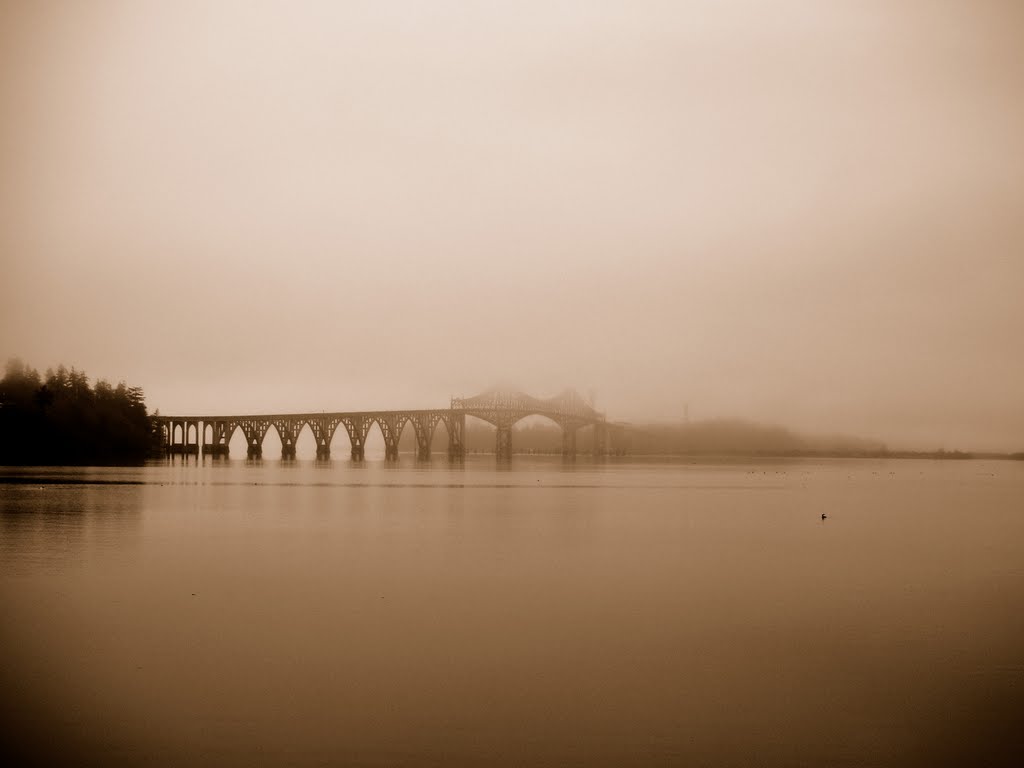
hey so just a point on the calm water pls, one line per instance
(615, 614)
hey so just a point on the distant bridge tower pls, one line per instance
(503, 409)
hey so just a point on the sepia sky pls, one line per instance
(798, 212)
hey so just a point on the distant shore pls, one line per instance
(933, 455)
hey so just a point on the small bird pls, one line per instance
(823, 515)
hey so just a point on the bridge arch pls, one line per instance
(533, 434)
(305, 440)
(253, 432)
(419, 438)
(340, 440)
(277, 431)
(401, 422)
(440, 429)
(441, 424)
(505, 422)
(272, 443)
(377, 438)
(235, 440)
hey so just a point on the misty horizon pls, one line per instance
(512, 383)
(812, 441)
(801, 215)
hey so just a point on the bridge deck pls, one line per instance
(502, 409)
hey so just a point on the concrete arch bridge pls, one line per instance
(211, 435)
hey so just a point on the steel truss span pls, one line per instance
(210, 435)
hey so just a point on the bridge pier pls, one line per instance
(218, 445)
(391, 429)
(424, 428)
(357, 452)
(191, 447)
(171, 447)
(569, 440)
(323, 431)
(254, 429)
(503, 442)
(288, 431)
(456, 437)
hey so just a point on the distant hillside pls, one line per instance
(735, 436)
(719, 436)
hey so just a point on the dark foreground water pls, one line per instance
(599, 615)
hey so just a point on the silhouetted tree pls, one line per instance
(61, 419)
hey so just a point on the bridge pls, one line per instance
(211, 435)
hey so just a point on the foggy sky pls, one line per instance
(799, 212)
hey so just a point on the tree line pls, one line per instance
(58, 418)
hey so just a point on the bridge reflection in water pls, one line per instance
(210, 435)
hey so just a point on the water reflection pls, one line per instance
(48, 524)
